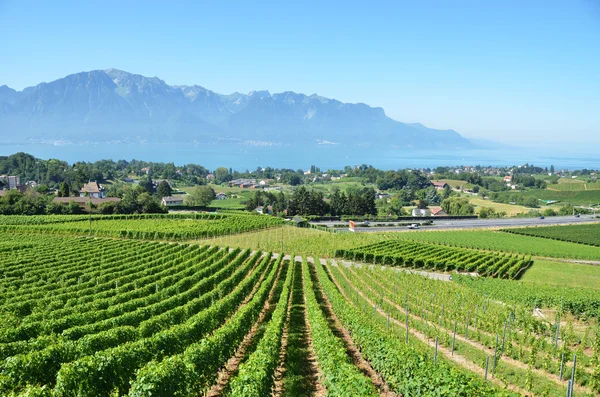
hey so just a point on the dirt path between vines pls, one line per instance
(277, 389)
(338, 329)
(479, 346)
(233, 363)
(462, 361)
(320, 388)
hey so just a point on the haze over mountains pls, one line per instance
(116, 106)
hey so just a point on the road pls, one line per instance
(440, 223)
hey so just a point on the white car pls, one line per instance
(413, 226)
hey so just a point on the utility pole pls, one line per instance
(90, 212)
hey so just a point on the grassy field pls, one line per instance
(456, 183)
(510, 209)
(582, 197)
(501, 241)
(584, 234)
(574, 185)
(546, 272)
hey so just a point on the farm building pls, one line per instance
(172, 200)
(439, 185)
(437, 211)
(421, 212)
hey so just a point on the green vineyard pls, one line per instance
(147, 227)
(581, 234)
(440, 258)
(121, 315)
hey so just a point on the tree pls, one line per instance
(222, 175)
(73, 208)
(164, 189)
(421, 204)
(63, 190)
(487, 212)
(146, 183)
(432, 197)
(458, 206)
(531, 202)
(200, 196)
(148, 204)
(338, 202)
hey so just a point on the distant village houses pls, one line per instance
(10, 181)
(439, 185)
(85, 201)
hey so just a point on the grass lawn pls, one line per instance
(563, 274)
(582, 197)
(229, 204)
(456, 183)
(573, 185)
(510, 209)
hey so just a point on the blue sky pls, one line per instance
(513, 71)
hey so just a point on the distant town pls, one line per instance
(34, 186)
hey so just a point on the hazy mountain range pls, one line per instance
(116, 106)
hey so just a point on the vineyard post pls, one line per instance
(467, 325)
(562, 364)
(569, 388)
(573, 372)
(406, 323)
(436, 351)
(503, 337)
(442, 316)
(487, 364)
(476, 310)
(388, 321)
(454, 337)
(495, 356)
(557, 336)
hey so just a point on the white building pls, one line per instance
(172, 200)
(10, 181)
(421, 212)
(92, 189)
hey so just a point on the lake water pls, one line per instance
(242, 157)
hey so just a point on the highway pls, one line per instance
(441, 223)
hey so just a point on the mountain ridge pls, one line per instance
(113, 104)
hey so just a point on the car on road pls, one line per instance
(413, 226)
(542, 217)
